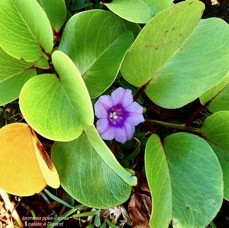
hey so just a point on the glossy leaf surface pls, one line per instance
(42, 63)
(223, 157)
(57, 108)
(96, 41)
(190, 163)
(217, 98)
(56, 12)
(25, 166)
(74, 86)
(89, 171)
(216, 129)
(13, 75)
(24, 29)
(158, 177)
(138, 11)
(173, 38)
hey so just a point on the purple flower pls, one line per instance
(118, 115)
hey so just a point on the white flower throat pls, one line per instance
(113, 115)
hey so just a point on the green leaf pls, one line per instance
(173, 38)
(185, 180)
(197, 181)
(158, 177)
(223, 158)
(13, 75)
(138, 11)
(215, 129)
(42, 63)
(24, 29)
(89, 171)
(107, 155)
(96, 41)
(133, 27)
(217, 98)
(74, 87)
(56, 12)
(57, 108)
(46, 108)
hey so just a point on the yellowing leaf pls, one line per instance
(25, 166)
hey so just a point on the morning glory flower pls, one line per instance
(118, 115)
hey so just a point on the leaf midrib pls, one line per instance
(101, 54)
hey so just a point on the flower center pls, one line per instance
(113, 115)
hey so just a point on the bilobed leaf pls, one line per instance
(24, 29)
(26, 167)
(56, 12)
(196, 197)
(138, 11)
(217, 98)
(158, 177)
(223, 158)
(173, 38)
(96, 41)
(46, 108)
(57, 108)
(215, 129)
(90, 173)
(13, 75)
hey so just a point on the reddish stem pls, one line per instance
(151, 128)
(194, 115)
(141, 90)
(113, 145)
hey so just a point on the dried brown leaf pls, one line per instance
(140, 205)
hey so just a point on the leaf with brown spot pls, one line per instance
(25, 166)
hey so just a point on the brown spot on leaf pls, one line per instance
(42, 151)
(149, 46)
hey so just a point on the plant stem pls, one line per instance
(176, 126)
(194, 115)
(141, 90)
(27, 207)
(65, 215)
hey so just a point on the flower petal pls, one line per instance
(135, 119)
(134, 108)
(122, 134)
(105, 130)
(122, 96)
(109, 134)
(135, 115)
(102, 105)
